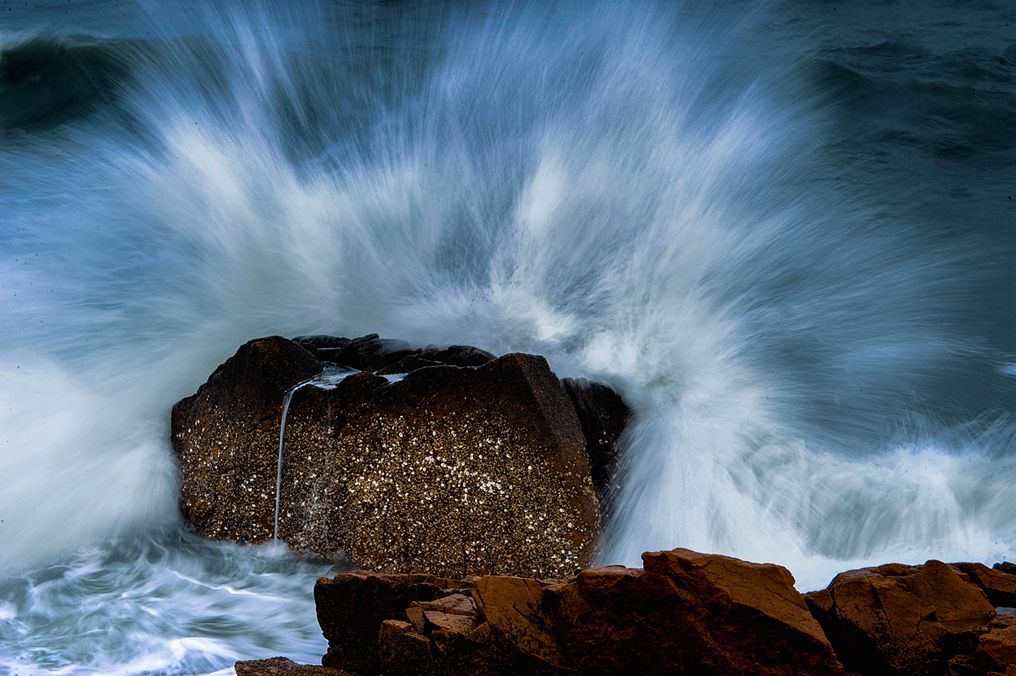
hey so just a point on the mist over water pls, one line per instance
(803, 287)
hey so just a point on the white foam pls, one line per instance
(629, 191)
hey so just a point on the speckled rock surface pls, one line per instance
(451, 470)
(224, 438)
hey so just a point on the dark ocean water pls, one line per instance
(785, 231)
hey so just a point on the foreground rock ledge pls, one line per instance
(469, 464)
(932, 619)
(684, 612)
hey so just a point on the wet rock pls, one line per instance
(387, 356)
(475, 468)
(684, 613)
(690, 613)
(407, 364)
(603, 416)
(450, 471)
(1005, 567)
(456, 355)
(224, 435)
(352, 606)
(280, 666)
(900, 619)
(997, 585)
(367, 353)
(322, 342)
(459, 355)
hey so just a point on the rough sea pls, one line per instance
(784, 231)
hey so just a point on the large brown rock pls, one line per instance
(996, 648)
(1005, 567)
(467, 465)
(998, 585)
(689, 613)
(683, 613)
(995, 653)
(352, 606)
(900, 619)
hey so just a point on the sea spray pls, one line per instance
(164, 602)
(777, 233)
(630, 191)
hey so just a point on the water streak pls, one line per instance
(328, 379)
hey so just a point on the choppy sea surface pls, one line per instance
(785, 231)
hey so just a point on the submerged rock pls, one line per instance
(468, 464)
(683, 613)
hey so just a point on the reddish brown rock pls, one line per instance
(689, 613)
(451, 613)
(518, 628)
(899, 619)
(473, 466)
(352, 606)
(684, 613)
(403, 651)
(995, 652)
(997, 585)
(997, 646)
(1005, 567)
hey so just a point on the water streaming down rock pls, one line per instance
(282, 441)
(326, 380)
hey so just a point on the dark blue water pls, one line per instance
(785, 232)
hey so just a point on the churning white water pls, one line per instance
(647, 195)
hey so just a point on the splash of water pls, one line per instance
(632, 191)
(328, 379)
(160, 603)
